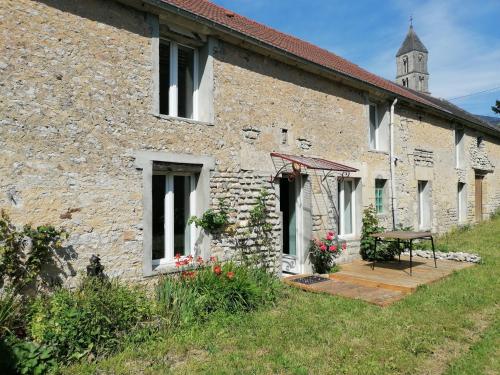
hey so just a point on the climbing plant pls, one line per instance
(213, 221)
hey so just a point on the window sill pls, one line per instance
(182, 119)
(378, 151)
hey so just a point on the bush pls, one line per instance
(322, 253)
(25, 357)
(90, 321)
(384, 251)
(215, 288)
(24, 252)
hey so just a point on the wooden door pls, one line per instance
(479, 198)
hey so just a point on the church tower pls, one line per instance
(411, 61)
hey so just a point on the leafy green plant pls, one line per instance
(32, 358)
(89, 321)
(323, 252)
(9, 307)
(384, 251)
(213, 287)
(24, 252)
(213, 221)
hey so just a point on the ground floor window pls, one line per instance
(379, 195)
(347, 204)
(173, 205)
(423, 205)
(462, 203)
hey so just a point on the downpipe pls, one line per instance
(392, 164)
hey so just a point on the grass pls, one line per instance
(448, 327)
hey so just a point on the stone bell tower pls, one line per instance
(411, 61)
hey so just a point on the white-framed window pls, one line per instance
(459, 148)
(179, 80)
(380, 192)
(374, 126)
(347, 207)
(173, 204)
(424, 213)
(462, 203)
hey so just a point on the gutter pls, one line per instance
(392, 166)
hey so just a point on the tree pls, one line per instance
(496, 107)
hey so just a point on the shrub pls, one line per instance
(384, 251)
(26, 357)
(91, 320)
(24, 252)
(324, 251)
(213, 287)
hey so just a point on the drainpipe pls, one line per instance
(392, 164)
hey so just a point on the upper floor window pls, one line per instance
(178, 80)
(459, 148)
(378, 121)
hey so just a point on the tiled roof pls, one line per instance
(411, 43)
(299, 48)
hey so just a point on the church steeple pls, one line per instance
(411, 62)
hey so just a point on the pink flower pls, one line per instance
(331, 234)
(323, 247)
(344, 246)
(329, 237)
(177, 264)
(178, 256)
(333, 248)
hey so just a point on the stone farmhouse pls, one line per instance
(121, 119)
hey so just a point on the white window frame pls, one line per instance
(376, 128)
(173, 91)
(423, 205)
(462, 202)
(459, 147)
(169, 251)
(341, 208)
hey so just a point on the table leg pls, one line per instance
(433, 252)
(399, 251)
(411, 256)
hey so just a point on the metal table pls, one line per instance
(407, 238)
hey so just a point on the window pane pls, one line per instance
(185, 81)
(379, 195)
(164, 76)
(159, 186)
(373, 126)
(347, 207)
(182, 236)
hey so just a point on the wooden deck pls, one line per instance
(386, 283)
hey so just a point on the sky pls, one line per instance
(462, 36)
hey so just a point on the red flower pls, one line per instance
(329, 236)
(323, 247)
(217, 270)
(177, 264)
(333, 248)
(199, 260)
(344, 246)
(178, 256)
(213, 259)
(190, 257)
(230, 275)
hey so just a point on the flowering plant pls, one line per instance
(323, 252)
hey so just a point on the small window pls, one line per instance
(379, 195)
(459, 148)
(173, 205)
(347, 207)
(374, 127)
(479, 141)
(462, 203)
(178, 80)
(423, 205)
(405, 64)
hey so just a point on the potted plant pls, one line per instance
(323, 252)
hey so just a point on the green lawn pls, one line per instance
(452, 327)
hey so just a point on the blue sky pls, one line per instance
(462, 36)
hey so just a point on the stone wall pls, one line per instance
(76, 106)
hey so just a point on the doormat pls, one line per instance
(308, 280)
